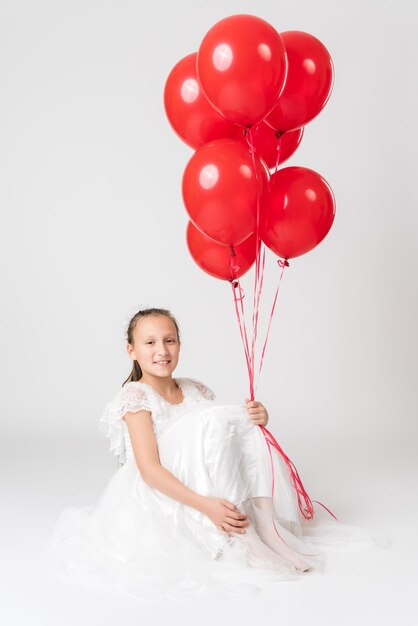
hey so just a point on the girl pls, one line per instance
(191, 505)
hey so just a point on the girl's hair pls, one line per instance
(136, 373)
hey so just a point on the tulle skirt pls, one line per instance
(147, 544)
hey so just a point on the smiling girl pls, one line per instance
(191, 505)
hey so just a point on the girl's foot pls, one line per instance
(263, 513)
(305, 568)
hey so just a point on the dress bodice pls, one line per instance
(136, 396)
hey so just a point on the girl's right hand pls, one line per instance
(225, 515)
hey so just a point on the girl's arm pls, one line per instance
(224, 514)
(147, 459)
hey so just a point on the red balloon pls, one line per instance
(215, 259)
(298, 212)
(242, 64)
(189, 112)
(309, 82)
(265, 142)
(220, 189)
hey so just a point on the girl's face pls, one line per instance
(155, 346)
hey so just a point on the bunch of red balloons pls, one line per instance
(241, 102)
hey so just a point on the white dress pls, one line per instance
(150, 545)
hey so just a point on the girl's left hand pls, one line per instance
(257, 411)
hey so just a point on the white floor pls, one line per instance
(378, 587)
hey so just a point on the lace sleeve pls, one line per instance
(203, 389)
(130, 398)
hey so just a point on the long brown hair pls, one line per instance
(136, 373)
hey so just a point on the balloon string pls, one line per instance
(258, 284)
(250, 143)
(261, 272)
(279, 149)
(259, 266)
(272, 496)
(259, 269)
(308, 512)
(282, 264)
(238, 302)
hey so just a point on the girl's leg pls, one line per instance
(263, 510)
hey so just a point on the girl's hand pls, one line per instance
(257, 411)
(225, 515)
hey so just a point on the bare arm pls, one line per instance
(147, 459)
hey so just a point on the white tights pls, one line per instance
(263, 509)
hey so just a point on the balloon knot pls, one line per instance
(235, 284)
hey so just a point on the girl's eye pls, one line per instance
(147, 342)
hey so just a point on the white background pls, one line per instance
(93, 228)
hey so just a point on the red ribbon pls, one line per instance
(279, 147)
(307, 510)
(308, 513)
